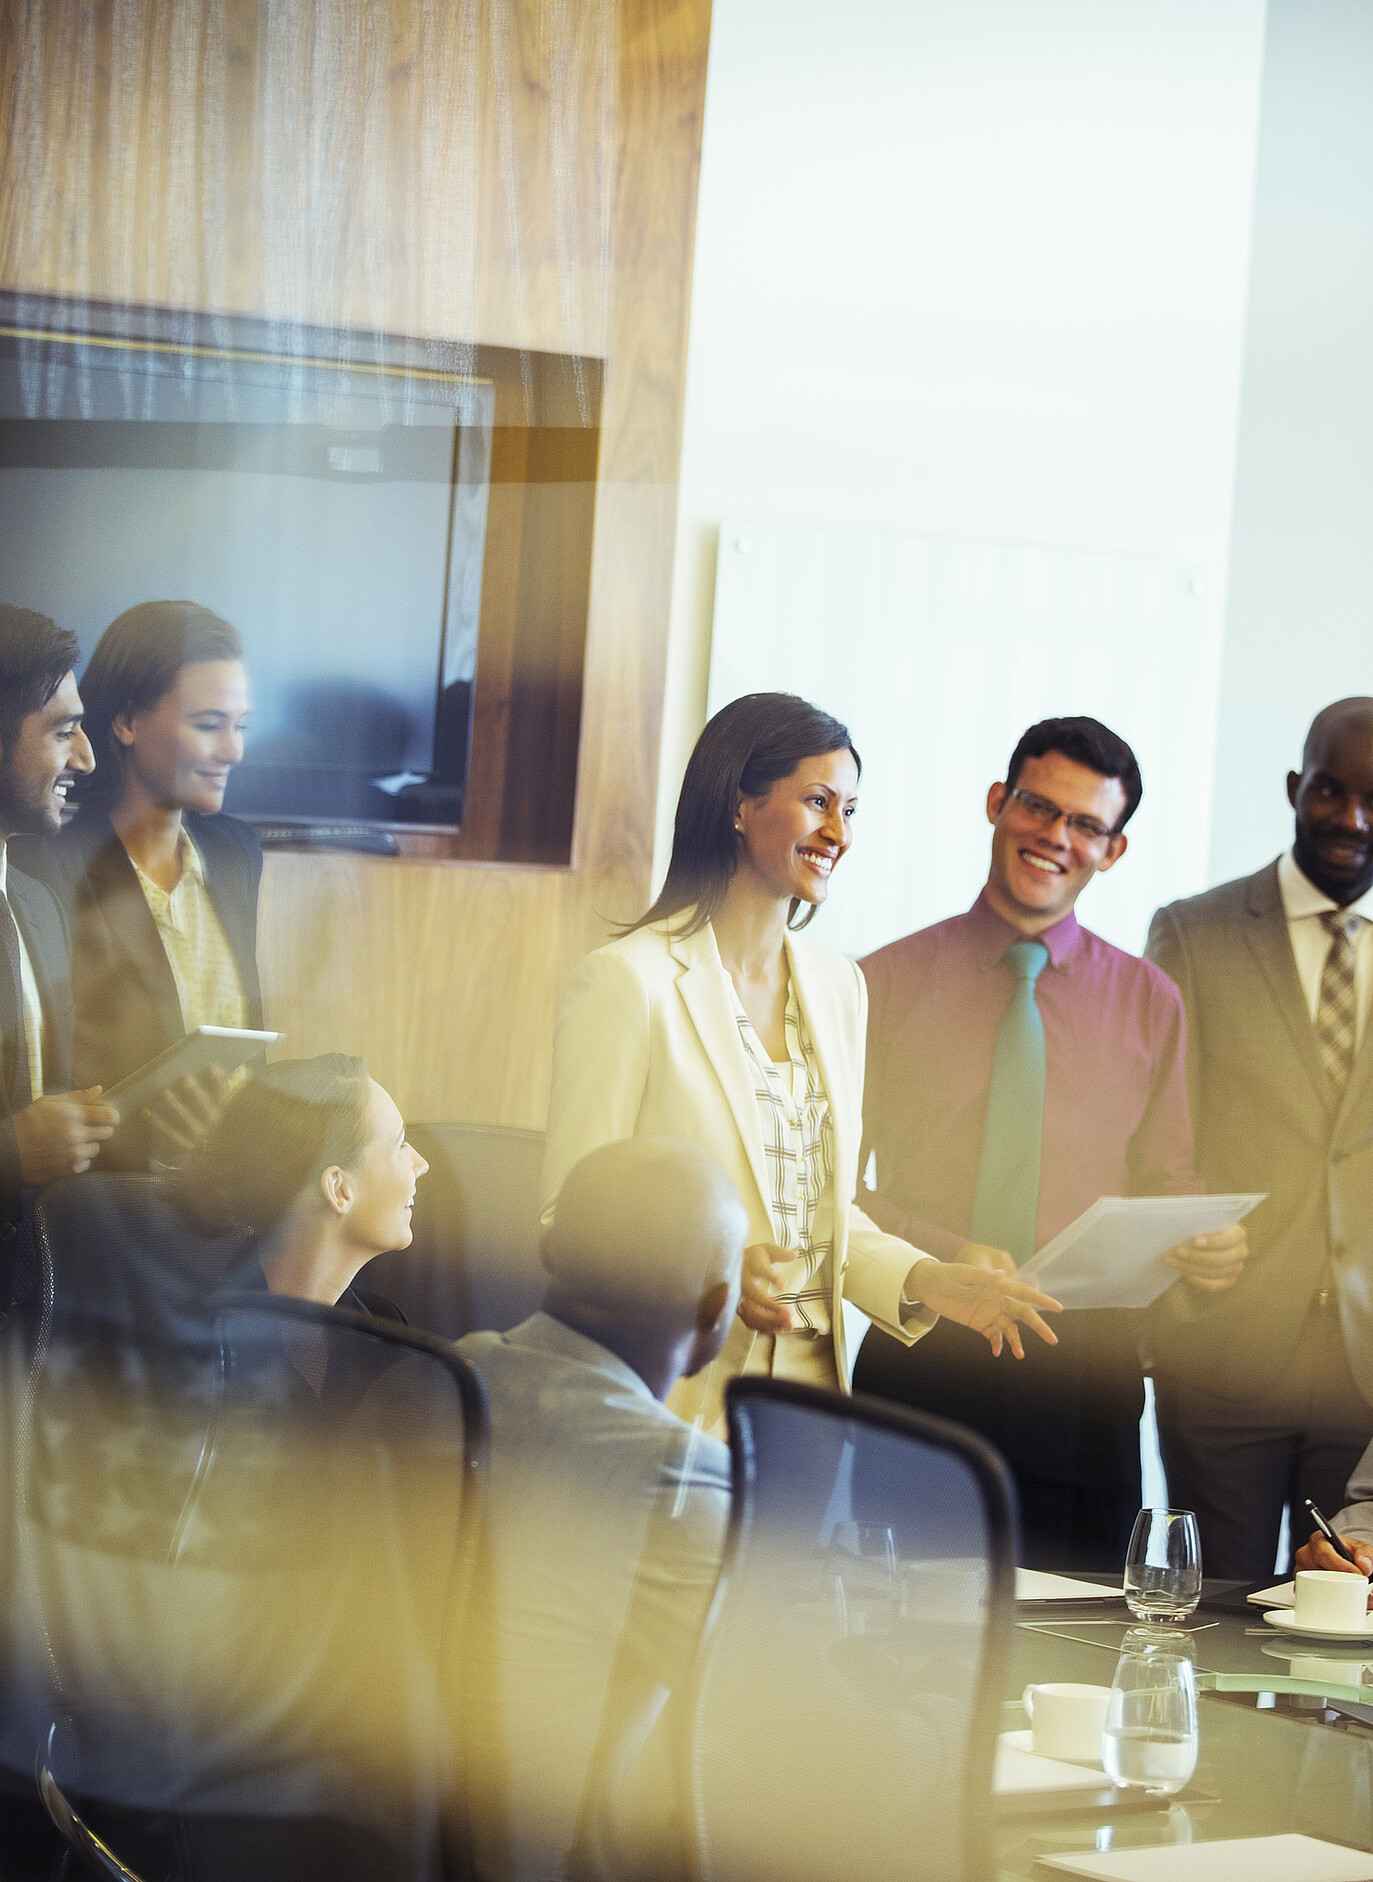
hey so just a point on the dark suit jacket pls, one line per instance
(45, 936)
(1264, 1118)
(127, 1010)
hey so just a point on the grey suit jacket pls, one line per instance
(1264, 1118)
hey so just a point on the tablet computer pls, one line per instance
(223, 1046)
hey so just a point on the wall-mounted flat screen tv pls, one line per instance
(328, 499)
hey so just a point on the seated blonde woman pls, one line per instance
(311, 1156)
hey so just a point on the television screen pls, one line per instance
(333, 511)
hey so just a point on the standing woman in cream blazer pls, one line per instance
(711, 1020)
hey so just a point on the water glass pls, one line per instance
(1150, 1739)
(1163, 1566)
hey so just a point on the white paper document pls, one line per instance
(1238, 1859)
(1112, 1256)
(1036, 1584)
(1019, 1773)
(1284, 1595)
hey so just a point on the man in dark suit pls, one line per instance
(1264, 1392)
(42, 1136)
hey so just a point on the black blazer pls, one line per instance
(127, 1010)
(44, 930)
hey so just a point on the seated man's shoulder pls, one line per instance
(542, 1373)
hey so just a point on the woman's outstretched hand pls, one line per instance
(989, 1303)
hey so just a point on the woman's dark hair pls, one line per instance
(277, 1134)
(745, 749)
(1087, 742)
(135, 663)
(36, 655)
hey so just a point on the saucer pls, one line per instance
(1025, 1741)
(1293, 1651)
(1287, 1622)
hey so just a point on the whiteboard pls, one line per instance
(938, 655)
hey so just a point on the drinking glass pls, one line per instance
(1163, 1566)
(1150, 1739)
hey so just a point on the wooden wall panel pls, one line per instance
(498, 171)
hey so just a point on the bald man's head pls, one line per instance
(1334, 723)
(1332, 795)
(646, 1228)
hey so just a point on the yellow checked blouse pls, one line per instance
(202, 964)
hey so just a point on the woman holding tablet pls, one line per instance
(711, 1019)
(160, 887)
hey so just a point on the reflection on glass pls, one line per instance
(1150, 1741)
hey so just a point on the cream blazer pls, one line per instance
(647, 1044)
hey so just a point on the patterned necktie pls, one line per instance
(18, 1087)
(1007, 1201)
(1336, 1011)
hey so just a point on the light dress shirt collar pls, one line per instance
(28, 981)
(991, 935)
(161, 900)
(1301, 897)
(1303, 904)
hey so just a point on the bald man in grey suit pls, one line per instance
(1264, 1393)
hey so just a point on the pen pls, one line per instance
(1330, 1535)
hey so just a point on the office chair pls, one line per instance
(848, 1690)
(253, 1559)
(108, 1375)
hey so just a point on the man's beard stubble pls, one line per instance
(20, 813)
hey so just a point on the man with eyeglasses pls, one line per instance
(1264, 1396)
(1019, 1067)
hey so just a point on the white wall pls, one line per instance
(966, 267)
(1300, 626)
(917, 616)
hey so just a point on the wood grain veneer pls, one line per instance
(506, 174)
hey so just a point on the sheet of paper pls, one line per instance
(1283, 1596)
(1112, 1256)
(1015, 1773)
(1034, 1584)
(1240, 1859)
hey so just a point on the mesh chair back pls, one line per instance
(274, 1669)
(109, 1381)
(123, 1345)
(849, 1686)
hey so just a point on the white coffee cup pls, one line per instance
(1328, 1598)
(1067, 1720)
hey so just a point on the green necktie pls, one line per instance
(1007, 1201)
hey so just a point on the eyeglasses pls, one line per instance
(1045, 813)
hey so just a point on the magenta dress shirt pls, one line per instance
(1116, 1121)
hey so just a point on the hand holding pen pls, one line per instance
(1328, 1550)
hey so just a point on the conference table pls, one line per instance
(1282, 1745)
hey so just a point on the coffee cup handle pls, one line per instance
(1027, 1699)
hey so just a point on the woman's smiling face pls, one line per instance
(794, 837)
(182, 749)
(382, 1179)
